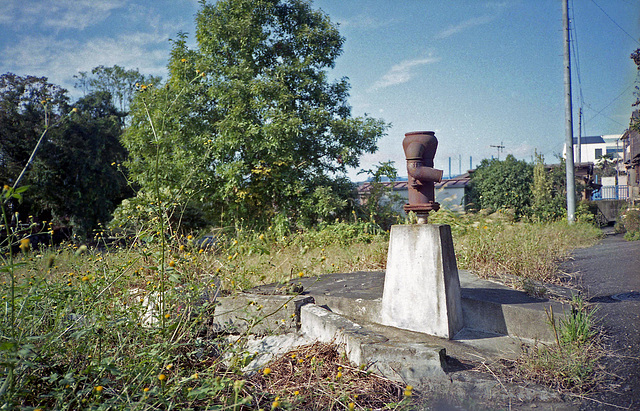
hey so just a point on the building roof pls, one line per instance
(589, 140)
(457, 182)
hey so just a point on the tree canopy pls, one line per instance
(248, 124)
(72, 179)
(505, 184)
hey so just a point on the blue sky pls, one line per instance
(478, 73)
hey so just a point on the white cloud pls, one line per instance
(467, 24)
(58, 14)
(402, 72)
(60, 60)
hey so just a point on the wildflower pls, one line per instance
(261, 237)
(85, 278)
(182, 248)
(296, 392)
(275, 404)
(189, 237)
(75, 110)
(202, 74)
(172, 263)
(339, 375)
(25, 244)
(167, 316)
(99, 389)
(5, 187)
(195, 376)
(183, 60)
(300, 274)
(266, 371)
(162, 377)
(352, 406)
(169, 366)
(200, 251)
(408, 390)
(146, 389)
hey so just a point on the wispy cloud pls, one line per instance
(60, 59)
(467, 24)
(402, 72)
(58, 14)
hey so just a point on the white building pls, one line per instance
(593, 147)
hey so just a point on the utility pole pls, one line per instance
(568, 110)
(499, 147)
(579, 150)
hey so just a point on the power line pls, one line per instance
(614, 22)
(605, 107)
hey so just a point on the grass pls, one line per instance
(570, 365)
(495, 247)
(81, 335)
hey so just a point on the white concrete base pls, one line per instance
(421, 286)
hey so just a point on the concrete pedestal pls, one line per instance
(421, 286)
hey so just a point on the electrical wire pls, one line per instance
(614, 22)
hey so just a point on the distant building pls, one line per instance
(594, 147)
(450, 193)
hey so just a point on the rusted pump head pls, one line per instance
(420, 149)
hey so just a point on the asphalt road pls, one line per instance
(609, 275)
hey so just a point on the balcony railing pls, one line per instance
(611, 193)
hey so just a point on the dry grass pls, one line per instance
(317, 377)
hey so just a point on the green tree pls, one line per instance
(548, 201)
(116, 80)
(382, 204)
(506, 184)
(28, 105)
(248, 125)
(76, 176)
(71, 178)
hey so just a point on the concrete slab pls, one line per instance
(487, 306)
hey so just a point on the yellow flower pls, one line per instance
(296, 392)
(85, 278)
(146, 389)
(182, 248)
(201, 251)
(5, 187)
(167, 316)
(352, 406)
(172, 263)
(189, 237)
(169, 366)
(408, 390)
(99, 389)
(339, 375)
(195, 376)
(300, 274)
(162, 377)
(266, 371)
(276, 403)
(183, 60)
(75, 110)
(261, 237)
(24, 244)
